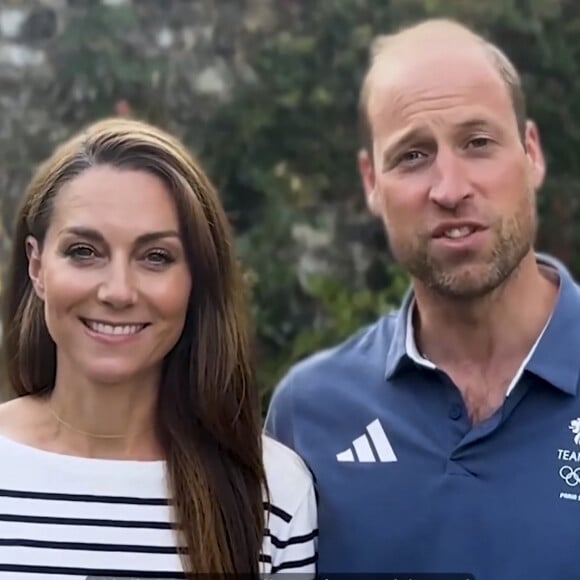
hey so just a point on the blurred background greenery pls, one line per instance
(282, 146)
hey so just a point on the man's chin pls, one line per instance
(468, 283)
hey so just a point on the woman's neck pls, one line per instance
(112, 421)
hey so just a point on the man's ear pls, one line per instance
(535, 154)
(367, 173)
(35, 271)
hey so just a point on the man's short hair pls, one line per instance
(502, 64)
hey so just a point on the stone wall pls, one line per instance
(65, 62)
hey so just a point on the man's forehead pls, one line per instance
(433, 33)
(402, 84)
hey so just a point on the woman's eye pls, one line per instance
(159, 257)
(79, 252)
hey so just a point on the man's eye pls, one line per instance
(479, 142)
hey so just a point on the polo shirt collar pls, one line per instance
(402, 347)
(555, 358)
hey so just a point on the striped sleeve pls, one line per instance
(294, 544)
(292, 529)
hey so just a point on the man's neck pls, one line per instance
(482, 345)
(501, 326)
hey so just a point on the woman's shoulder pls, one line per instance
(290, 484)
(286, 473)
(293, 519)
(17, 416)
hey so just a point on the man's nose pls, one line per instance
(450, 185)
(118, 288)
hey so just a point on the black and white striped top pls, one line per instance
(64, 517)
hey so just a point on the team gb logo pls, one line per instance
(575, 428)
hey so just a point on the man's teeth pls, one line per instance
(116, 329)
(458, 232)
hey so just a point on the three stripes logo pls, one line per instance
(372, 446)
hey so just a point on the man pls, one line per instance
(445, 438)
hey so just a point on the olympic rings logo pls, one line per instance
(570, 476)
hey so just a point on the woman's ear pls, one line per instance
(35, 271)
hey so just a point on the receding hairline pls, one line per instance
(385, 45)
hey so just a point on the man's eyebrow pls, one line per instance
(474, 124)
(96, 236)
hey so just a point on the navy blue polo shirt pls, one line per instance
(407, 485)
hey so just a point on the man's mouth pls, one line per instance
(456, 233)
(116, 329)
(457, 229)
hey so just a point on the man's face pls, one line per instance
(450, 176)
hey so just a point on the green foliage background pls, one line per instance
(302, 117)
(283, 152)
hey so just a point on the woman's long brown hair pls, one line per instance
(208, 416)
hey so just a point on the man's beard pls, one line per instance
(478, 276)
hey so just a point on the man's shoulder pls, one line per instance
(367, 348)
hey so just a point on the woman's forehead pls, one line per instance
(107, 195)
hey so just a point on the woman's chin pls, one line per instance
(117, 374)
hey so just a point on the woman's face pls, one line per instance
(113, 275)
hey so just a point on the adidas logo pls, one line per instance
(371, 447)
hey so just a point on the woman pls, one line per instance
(134, 447)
